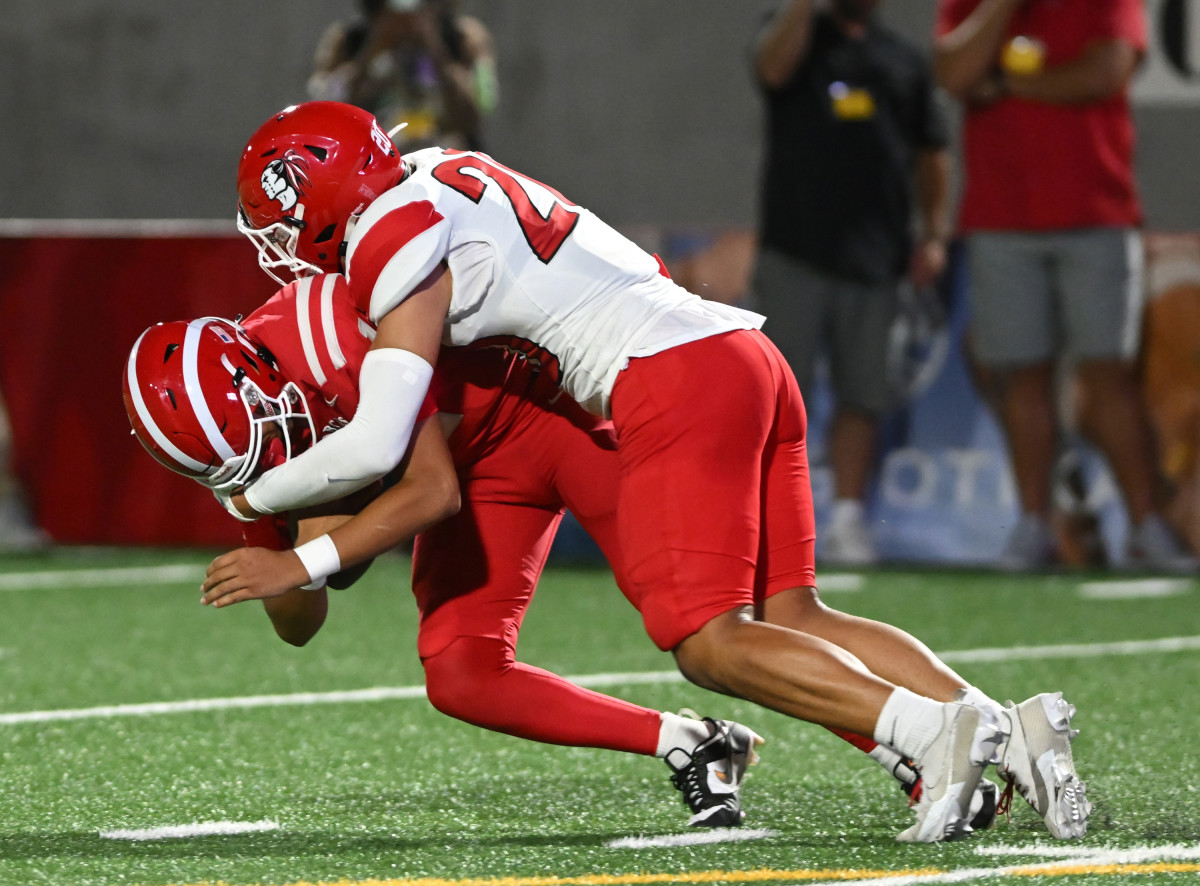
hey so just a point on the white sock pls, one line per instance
(679, 732)
(894, 763)
(992, 714)
(909, 723)
(846, 511)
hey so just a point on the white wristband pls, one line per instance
(320, 558)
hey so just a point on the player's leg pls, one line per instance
(1036, 758)
(578, 454)
(785, 576)
(474, 577)
(693, 423)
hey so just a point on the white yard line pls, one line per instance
(841, 581)
(1077, 861)
(1135, 589)
(692, 838)
(197, 829)
(594, 681)
(1074, 650)
(174, 573)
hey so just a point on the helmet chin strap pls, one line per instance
(392, 132)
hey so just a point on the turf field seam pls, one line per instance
(593, 681)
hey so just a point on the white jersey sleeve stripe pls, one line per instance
(160, 438)
(327, 321)
(191, 380)
(304, 322)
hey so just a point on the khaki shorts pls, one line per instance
(810, 313)
(1036, 296)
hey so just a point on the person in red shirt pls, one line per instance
(1050, 212)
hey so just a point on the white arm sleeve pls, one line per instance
(392, 385)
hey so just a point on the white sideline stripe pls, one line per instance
(1132, 855)
(695, 838)
(1074, 650)
(1129, 590)
(593, 681)
(215, 704)
(1069, 860)
(199, 829)
(841, 581)
(95, 578)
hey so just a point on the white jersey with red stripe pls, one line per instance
(525, 263)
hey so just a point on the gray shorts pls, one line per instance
(1035, 296)
(809, 312)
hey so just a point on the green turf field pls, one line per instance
(387, 790)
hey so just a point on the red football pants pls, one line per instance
(715, 508)
(474, 576)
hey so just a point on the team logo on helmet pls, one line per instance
(285, 179)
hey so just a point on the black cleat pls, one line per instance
(710, 775)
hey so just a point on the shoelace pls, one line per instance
(691, 783)
(1004, 804)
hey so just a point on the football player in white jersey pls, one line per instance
(715, 512)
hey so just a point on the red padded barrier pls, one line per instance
(70, 310)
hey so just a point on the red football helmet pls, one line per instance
(303, 176)
(208, 403)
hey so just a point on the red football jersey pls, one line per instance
(319, 338)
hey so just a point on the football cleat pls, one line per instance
(710, 775)
(1037, 762)
(950, 772)
(981, 813)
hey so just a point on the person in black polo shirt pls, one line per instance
(854, 130)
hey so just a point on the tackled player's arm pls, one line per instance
(393, 381)
(298, 613)
(426, 493)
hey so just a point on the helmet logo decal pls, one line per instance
(381, 139)
(285, 179)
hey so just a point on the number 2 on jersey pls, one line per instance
(544, 233)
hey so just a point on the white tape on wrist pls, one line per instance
(320, 558)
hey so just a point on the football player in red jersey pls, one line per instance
(474, 572)
(714, 508)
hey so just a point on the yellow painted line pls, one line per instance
(758, 876)
(1067, 870)
(1053, 869)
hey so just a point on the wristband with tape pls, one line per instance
(320, 557)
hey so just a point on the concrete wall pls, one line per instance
(641, 109)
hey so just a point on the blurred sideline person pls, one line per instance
(714, 512)
(17, 530)
(481, 550)
(854, 133)
(420, 64)
(1051, 215)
